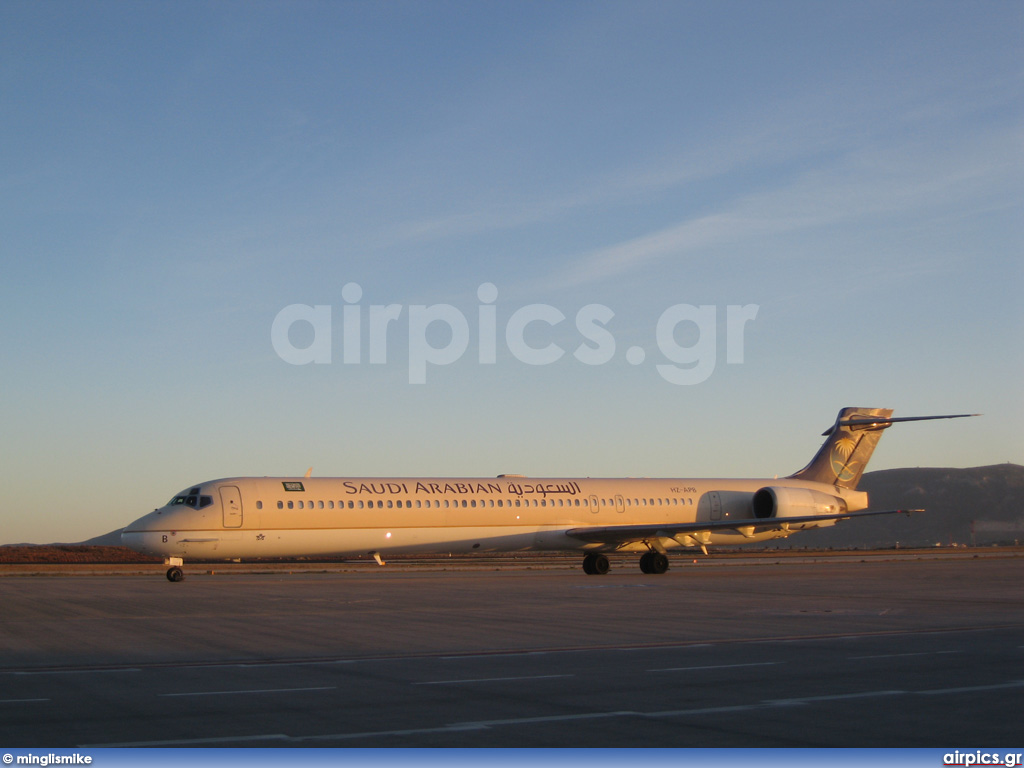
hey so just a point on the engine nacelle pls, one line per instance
(772, 502)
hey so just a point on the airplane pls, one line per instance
(262, 517)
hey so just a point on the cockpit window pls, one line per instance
(192, 499)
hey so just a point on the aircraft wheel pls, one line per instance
(175, 574)
(595, 564)
(653, 562)
(659, 563)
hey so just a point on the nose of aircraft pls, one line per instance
(132, 539)
(134, 535)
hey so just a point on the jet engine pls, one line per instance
(772, 502)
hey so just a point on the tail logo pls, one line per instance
(841, 452)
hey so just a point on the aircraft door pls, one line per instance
(620, 505)
(231, 503)
(594, 505)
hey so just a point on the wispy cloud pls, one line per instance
(869, 185)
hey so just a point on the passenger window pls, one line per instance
(291, 505)
(280, 505)
(259, 505)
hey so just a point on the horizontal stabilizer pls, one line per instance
(870, 423)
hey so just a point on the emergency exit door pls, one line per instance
(716, 505)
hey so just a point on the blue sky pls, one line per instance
(174, 175)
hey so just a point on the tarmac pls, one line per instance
(853, 651)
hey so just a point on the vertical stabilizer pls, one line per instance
(848, 446)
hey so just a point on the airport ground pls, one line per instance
(852, 650)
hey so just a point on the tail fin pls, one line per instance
(851, 440)
(843, 456)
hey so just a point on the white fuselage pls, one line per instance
(245, 517)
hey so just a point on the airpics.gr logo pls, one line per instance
(441, 334)
(844, 468)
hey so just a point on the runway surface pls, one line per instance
(922, 653)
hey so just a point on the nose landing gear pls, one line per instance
(174, 573)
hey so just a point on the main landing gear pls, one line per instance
(653, 562)
(596, 564)
(174, 573)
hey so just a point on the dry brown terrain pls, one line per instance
(70, 553)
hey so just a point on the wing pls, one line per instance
(628, 534)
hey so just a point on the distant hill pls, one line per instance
(112, 539)
(982, 505)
